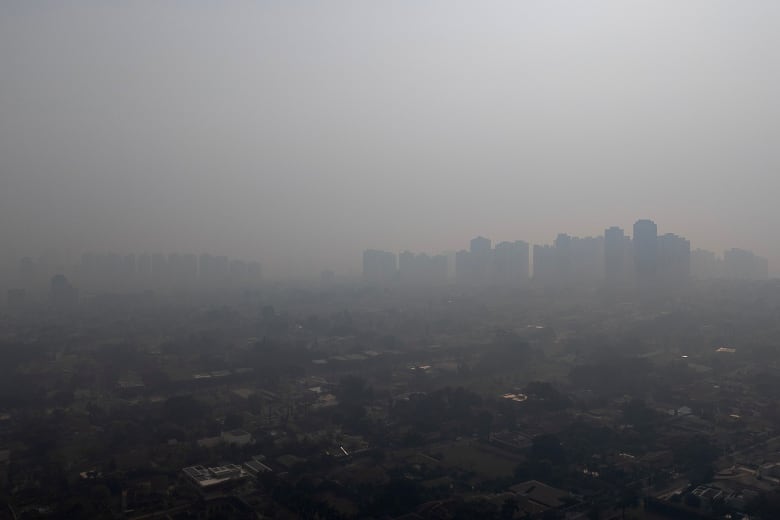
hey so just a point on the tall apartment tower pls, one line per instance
(674, 260)
(379, 266)
(563, 258)
(544, 264)
(480, 245)
(745, 265)
(481, 259)
(645, 252)
(511, 263)
(614, 256)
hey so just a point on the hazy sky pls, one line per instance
(300, 133)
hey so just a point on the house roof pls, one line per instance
(541, 493)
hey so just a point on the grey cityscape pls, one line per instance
(390, 260)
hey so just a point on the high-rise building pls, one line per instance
(88, 268)
(128, 267)
(206, 268)
(481, 259)
(159, 266)
(189, 267)
(673, 260)
(422, 269)
(511, 263)
(254, 271)
(563, 258)
(480, 245)
(615, 256)
(378, 266)
(144, 266)
(175, 270)
(112, 267)
(239, 271)
(740, 264)
(407, 267)
(182, 269)
(221, 266)
(464, 267)
(570, 261)
(544, 267)
(645, 252)
(705, 265)
(586, 260)
(61, 293)
(440, 269)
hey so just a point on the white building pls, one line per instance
(204, 477)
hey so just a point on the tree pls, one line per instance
(696, 454)
(484, 423)
(234, 421)
(354, 390)
(184, 410)
(638, 414)
(628, 498)
(398, 496)
(542, 390)
(548, 447)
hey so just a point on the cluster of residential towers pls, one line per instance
(645, 260)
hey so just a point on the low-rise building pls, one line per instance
(236, 437)
(256, 466)
(207, 478)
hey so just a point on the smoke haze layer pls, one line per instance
(301, 134)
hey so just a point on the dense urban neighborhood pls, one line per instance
(353, 400)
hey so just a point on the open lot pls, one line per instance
(472, 456)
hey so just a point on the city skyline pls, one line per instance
(319, 132)
(58, 262)
(646, 259)
(355, 260)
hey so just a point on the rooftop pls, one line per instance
(206, 477)
(540, 493)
